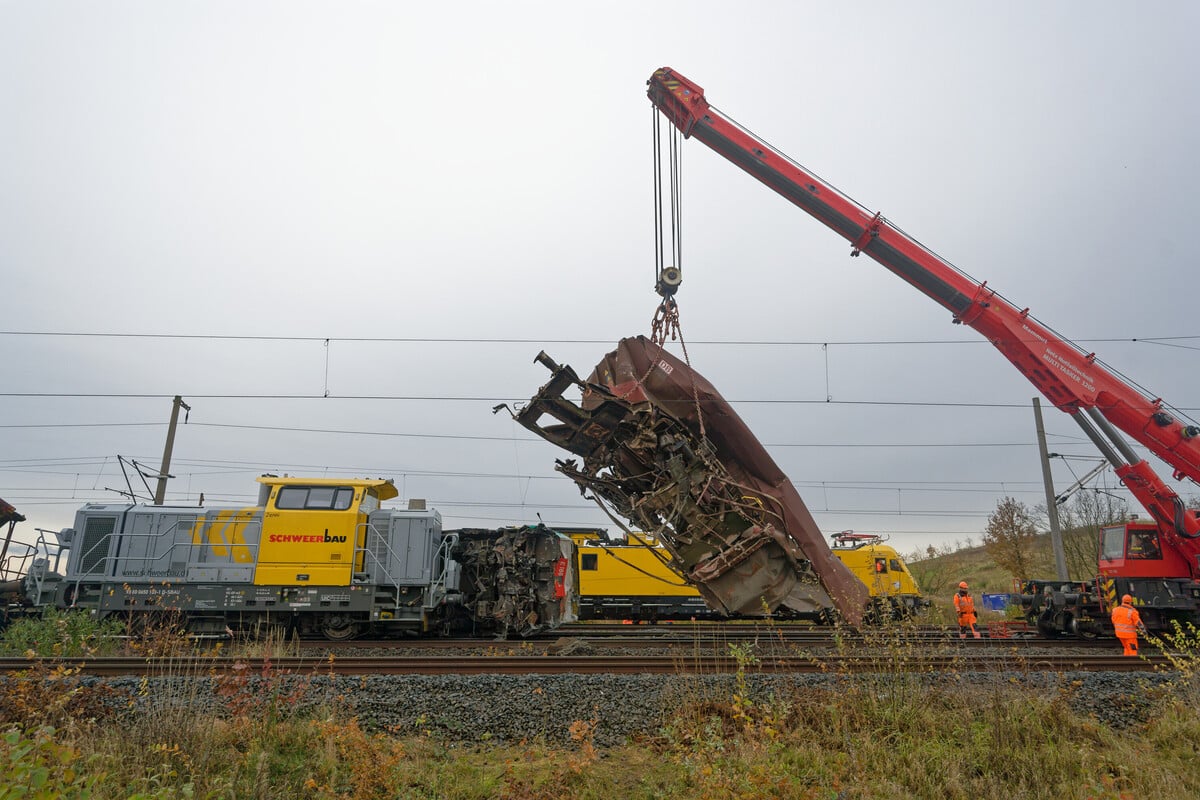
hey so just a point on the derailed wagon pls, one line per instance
(661, 448)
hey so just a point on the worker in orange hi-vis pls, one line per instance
(965, 606)
(1128, 624)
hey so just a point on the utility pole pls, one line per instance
(1060, 557)
(160, 491)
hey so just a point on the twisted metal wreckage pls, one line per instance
(516, 579)
(663, 449)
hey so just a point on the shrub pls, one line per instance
(35, 767)
(61, 634)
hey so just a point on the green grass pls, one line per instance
(948, 743)
(64, 634)
(886, 735)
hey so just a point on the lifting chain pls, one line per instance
(666, 323)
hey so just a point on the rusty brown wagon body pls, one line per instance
(661, 448)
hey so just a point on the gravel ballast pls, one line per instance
(478, 708)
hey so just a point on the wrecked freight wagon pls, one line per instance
(517, 580)
(662, 448)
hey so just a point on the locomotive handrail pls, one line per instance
(368, 555)
(8, 572)
(449, 542)
(40, 551)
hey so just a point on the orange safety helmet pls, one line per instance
(962, 585)
(1126, 600)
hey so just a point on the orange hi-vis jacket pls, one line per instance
(1126, 620)
(965, 607)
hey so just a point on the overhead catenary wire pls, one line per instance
(484, 438)
(1023, 406)
(560, 341)
(498, 399)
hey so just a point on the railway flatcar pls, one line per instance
(318, 556)
(633, 579)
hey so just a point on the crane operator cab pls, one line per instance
(1133, 560)
(1134, 549)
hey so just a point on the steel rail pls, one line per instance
(879, 662)
(676, 638)
(596, 643)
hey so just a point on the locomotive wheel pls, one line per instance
(339, 628)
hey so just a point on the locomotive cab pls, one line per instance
(313, 529)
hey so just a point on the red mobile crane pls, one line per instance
(1159, 562)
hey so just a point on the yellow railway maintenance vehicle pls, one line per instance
(894, 591)
(633, 578)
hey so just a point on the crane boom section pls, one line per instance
(1069, 378)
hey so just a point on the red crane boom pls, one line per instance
(1069, 377)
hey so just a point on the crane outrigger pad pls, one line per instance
(661, 448)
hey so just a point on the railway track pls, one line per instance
(676, 637)
(678, 644)
(605, 664)
(739, 628)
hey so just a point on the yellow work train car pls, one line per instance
(894, 591)
(633, 578)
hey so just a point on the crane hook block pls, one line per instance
(668, 281)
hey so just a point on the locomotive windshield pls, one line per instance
(325, 498)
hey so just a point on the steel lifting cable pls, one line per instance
(666, 317)
(676, 199)
(666, 277)
(655, 138)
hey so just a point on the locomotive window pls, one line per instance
(320, 497)
(291, 497)
(588, 561)
(336, 498)
(896, 567)
(881, 565)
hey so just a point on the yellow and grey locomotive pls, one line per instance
(316, 555)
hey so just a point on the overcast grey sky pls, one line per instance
(397, 178)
